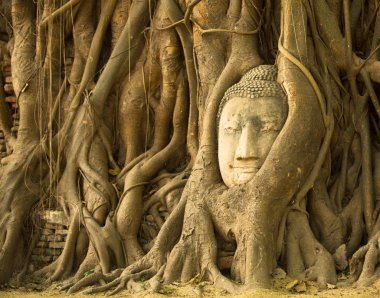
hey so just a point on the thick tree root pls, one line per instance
(364, 264)
(62, 267)
(144, 268)
(18, 194)
(89, 264)
(306, 258)
(147, 266)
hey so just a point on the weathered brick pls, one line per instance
(41, 258)
(7, 69)
(39, 251)
(54, 226)
(56, 244)
(8, 88)
(11, 99)
(57, 217)
(42, 244)
(61, 232)
(53, 251)
(8, 79)
(47, 232)
(51, 238)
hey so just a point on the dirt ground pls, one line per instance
(283, 286)
(187, 291)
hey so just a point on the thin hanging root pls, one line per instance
(186, 18)
(57, 103)
(189, 10)
(220, 30)
(60, 11)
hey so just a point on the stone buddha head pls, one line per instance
(251, 115)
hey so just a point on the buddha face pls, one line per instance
(247, 130)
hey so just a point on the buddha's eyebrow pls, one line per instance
(270, 123)
(231, 121)
(268, 119)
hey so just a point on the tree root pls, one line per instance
(146, 267)
(149, 265)
(89, 264)
(62, 267)
(364, 264)
(91, 280)
(316, 263)
(17, 197)
(106, 241)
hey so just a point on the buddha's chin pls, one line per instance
(243, 176)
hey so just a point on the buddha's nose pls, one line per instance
(247, 148)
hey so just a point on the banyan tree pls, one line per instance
(175, 133)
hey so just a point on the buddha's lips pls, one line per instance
(246, 170)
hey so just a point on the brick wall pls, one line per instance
(52, 238)
(11, 100)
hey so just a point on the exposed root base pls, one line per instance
(364, 264)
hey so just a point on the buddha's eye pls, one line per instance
(269, 127)
(231, 127)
